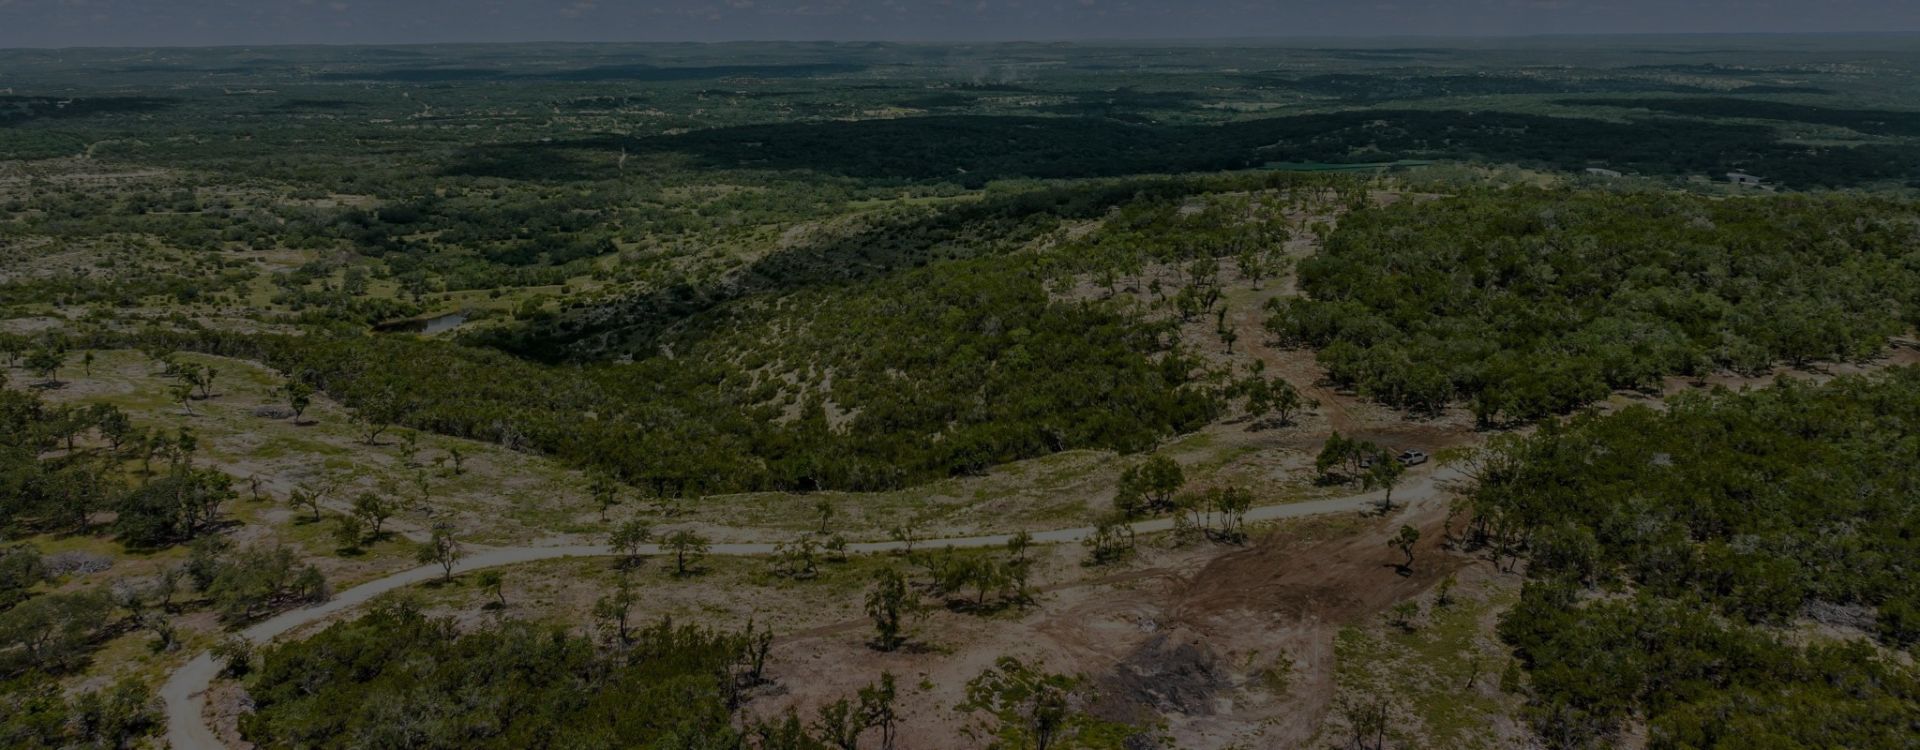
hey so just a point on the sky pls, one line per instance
(65, 23)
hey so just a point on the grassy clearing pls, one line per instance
(1069, 489)
(502, 497)
(1439, 672)
(499, 497)
(723, 592)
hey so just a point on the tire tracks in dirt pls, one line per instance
(184, 693)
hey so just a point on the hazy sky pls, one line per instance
(55, 23)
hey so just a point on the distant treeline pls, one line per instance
(1364, 87)
(1870, 121)
(975, 150)
(635, 72)
(15, 110)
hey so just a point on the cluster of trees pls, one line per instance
(1112, 541)
(35, 714)
(365, 520)
(1157, 486)
(48, 636)
(191, 381)
(1676, 557)
(247, 582)
(801, 558)
(1272, 402)
(316, 298)
(1526, 303)
(49, 478)
(62, 465)
(841, 725)
(56, 632)
(979, 582)
(688, 547)
(1149, 487)
(1015, 704)
(21, 569)
(43, 356)
(399, 678)
(174, 507)
(1346, 460)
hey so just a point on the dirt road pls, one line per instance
(184, 692)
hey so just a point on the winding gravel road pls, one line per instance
(185, 691)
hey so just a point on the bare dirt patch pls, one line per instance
(1192, 636)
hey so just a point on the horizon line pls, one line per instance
(1262, 39)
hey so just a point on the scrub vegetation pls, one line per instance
(1544, 393)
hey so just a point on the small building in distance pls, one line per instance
(1598, 172)
(1743, 179)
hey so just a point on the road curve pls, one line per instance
(185, 690)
